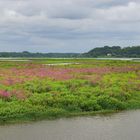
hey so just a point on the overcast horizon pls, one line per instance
(68, 25)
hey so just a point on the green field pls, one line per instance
(41, 89)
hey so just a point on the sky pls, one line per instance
(68, 25)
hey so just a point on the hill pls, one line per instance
(106, 51)
(38, 55)
(114, 51)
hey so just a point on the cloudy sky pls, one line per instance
(68, 25)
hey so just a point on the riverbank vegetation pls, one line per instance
(33, 90)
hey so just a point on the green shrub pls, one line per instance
(107, 102)
(37, 86)
(90, 105)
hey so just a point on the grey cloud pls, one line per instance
(67, 25)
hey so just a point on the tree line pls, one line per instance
(114, 51)
(106, 51)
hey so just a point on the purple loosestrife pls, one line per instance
(5, 94)
(29, 72)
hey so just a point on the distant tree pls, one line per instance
(114, 51)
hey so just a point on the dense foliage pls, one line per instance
(115, 51)
(106, 51)
(33, 90)
(29, 54)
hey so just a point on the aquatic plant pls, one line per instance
(32, 89)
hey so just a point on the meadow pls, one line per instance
(40, 89)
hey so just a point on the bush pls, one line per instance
(90, 105)
(107, 102)
(69, 102)
(37, 87)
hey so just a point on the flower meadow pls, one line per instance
(33, 90)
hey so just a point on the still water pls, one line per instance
(120, 126)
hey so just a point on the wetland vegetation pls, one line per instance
(33, 90)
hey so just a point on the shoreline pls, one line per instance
(24, 118)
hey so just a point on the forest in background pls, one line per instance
(106, 51)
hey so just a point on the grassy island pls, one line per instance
(50, 88)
